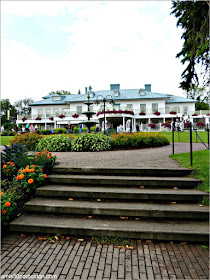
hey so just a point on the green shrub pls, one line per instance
(139, 139)
(91, 142)
(55, 143)
(8, 205)
(59, 130)
(28, 139)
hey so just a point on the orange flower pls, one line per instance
(7, 203)
(7, 170)
(36, 154)
(11, 163)
(8, 162)
(34, 166)
(23, 171)
(22, 176)
(30, 181)
(2, 193)
(4, 211)
(48, 156)
(45, 176)
(18, 177)
(5, 166)
(32, 170)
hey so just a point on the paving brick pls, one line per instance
(121, 272)
(99, 275)
(93, 269)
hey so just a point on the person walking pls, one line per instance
(31, 127)
(80, 128)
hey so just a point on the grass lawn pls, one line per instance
(185, 136)
(5, 140)
(200, 166)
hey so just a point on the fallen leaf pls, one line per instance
(70, 198)
(92, 238)
(141, 187)
(122, 218)
(62, 237)
(40, 238)
(119, 247)
(175, 188)
(22, 235)
(18, 215)
(90, 217)
(173, 202)
(56, 237)
(137, 219)
(46, 236)
(201, 205)
(67, 238)
(52, 241)
(98, 199)
(139, 241)
(131, 247)
(80, 240)
(183, 243)
(127, 247)
(149, 241)
(171, 242)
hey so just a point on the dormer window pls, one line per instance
(91, 93)
(116, 92)
(56, 98)
(142, 91)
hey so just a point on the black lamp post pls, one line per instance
(104, 101)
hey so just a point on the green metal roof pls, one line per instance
(124, 94)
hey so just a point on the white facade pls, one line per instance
(139, 101)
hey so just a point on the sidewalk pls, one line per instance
(73, 259)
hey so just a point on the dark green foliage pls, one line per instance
(17, 153)
(55, 143)
(7, 133)
(193, 18)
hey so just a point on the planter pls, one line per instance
(51, 118)
(75, 116)
(173, 113)
(157, 113)
(61, 116)
(38, 119)
(142, 114)
(24, 119)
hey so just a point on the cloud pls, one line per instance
(131, 43)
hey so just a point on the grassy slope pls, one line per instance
(200, 166)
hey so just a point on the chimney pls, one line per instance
(148, 87)
(86, 90)
(114, 86)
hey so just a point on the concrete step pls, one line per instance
(64, 191)
(117, 209)
(157, 172)
(124, 181)
(160, 230)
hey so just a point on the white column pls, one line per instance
(134, 125)
(123, 123)
(45, 125)
(55, 125)
(164, 120)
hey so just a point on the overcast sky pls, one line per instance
(69, 45)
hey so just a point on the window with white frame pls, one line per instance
(65, 112)
(154, 107)
(56, 98)
(142, 108)
(185, 110)
(177, 109)
(40, 112)
(116, 107)
(48, 113)
(56, 112)
(130, 107)
(167, 110)
(79, 109)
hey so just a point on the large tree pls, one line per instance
(22, 106)
(193, 18)
(5, 106)
(60, 92)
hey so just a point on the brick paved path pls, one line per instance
(145, 158)
(72, 259)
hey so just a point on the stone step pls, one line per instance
(124, 181)
(160, 230)
(157, 172)
(64, 191)
(117, 209)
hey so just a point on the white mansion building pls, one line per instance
(140, 106)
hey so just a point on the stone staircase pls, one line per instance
(159, 204)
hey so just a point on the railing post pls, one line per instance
(191, 157)
(208, 133)
(173, 137)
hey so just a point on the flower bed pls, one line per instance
(166, 124)
(152, 125)
(116, 112)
